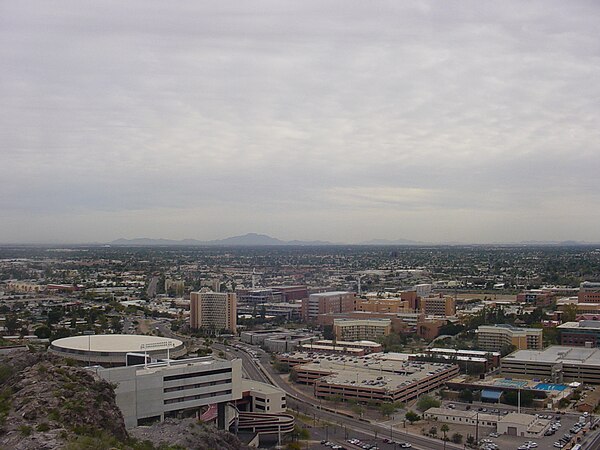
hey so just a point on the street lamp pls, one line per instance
(477, 428)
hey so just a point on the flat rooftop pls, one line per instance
(348, 343)
(584, 324)
(116, 343)
(331, 294)
(558, 354)
(472, 414)
(369, 371)
(252, 385)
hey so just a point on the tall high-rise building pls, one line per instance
(213, 311)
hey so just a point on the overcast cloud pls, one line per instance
(340, 120)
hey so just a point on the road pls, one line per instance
(262, 371)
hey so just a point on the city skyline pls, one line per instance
(334, 121)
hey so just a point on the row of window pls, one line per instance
(196, 386)
(196, 397)
(184, 376)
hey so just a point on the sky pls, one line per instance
(467, 121)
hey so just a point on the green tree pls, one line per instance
(60, 333)
(412, 416)
(569, 313)
(116, 324)
(457, 438)
(328, 332)
(43, 332)
(426, 402)
(551, 336)
(11, 324)
(304, 434)
(444, 429)
(387, 409)
(357, 409)
(433, 431)
(512, 398)
(466, 395)
(470, 440)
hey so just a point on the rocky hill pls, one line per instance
(47, 403)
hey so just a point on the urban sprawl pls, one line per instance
(491, 347)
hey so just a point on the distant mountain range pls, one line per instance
(260, 240)
(247, 240)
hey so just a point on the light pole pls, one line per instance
(477, 428)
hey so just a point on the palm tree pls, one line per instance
(444, 429)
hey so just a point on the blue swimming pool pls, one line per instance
(550, 387)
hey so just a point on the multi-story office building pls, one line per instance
(585, 333)
(152, 392)
(438, 306)
(213, 311)
(361, 329)
(327, 303)
(381, 305)
(557, 364)
(589, 292)
(499, 337)
(272, 294)
(258, 296)
(537, 297)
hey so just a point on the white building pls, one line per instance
(152, 392)
(264, 397)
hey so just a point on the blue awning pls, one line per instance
(490, 395)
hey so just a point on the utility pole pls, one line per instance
(477, 428)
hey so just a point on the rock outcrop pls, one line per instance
(47, 403)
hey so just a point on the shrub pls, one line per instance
(426, 402)
(43, 427)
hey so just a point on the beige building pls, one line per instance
(558, 364)
(438, 306)
(523, 425)
(497, 337)
(213, 311)
(361, 329)
(456, 416)
(382, 305)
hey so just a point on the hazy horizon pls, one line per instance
(340, 121)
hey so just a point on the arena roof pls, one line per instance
(116, 343)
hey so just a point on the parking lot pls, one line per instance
(543, 442)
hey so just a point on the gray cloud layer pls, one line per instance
(473, 121)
